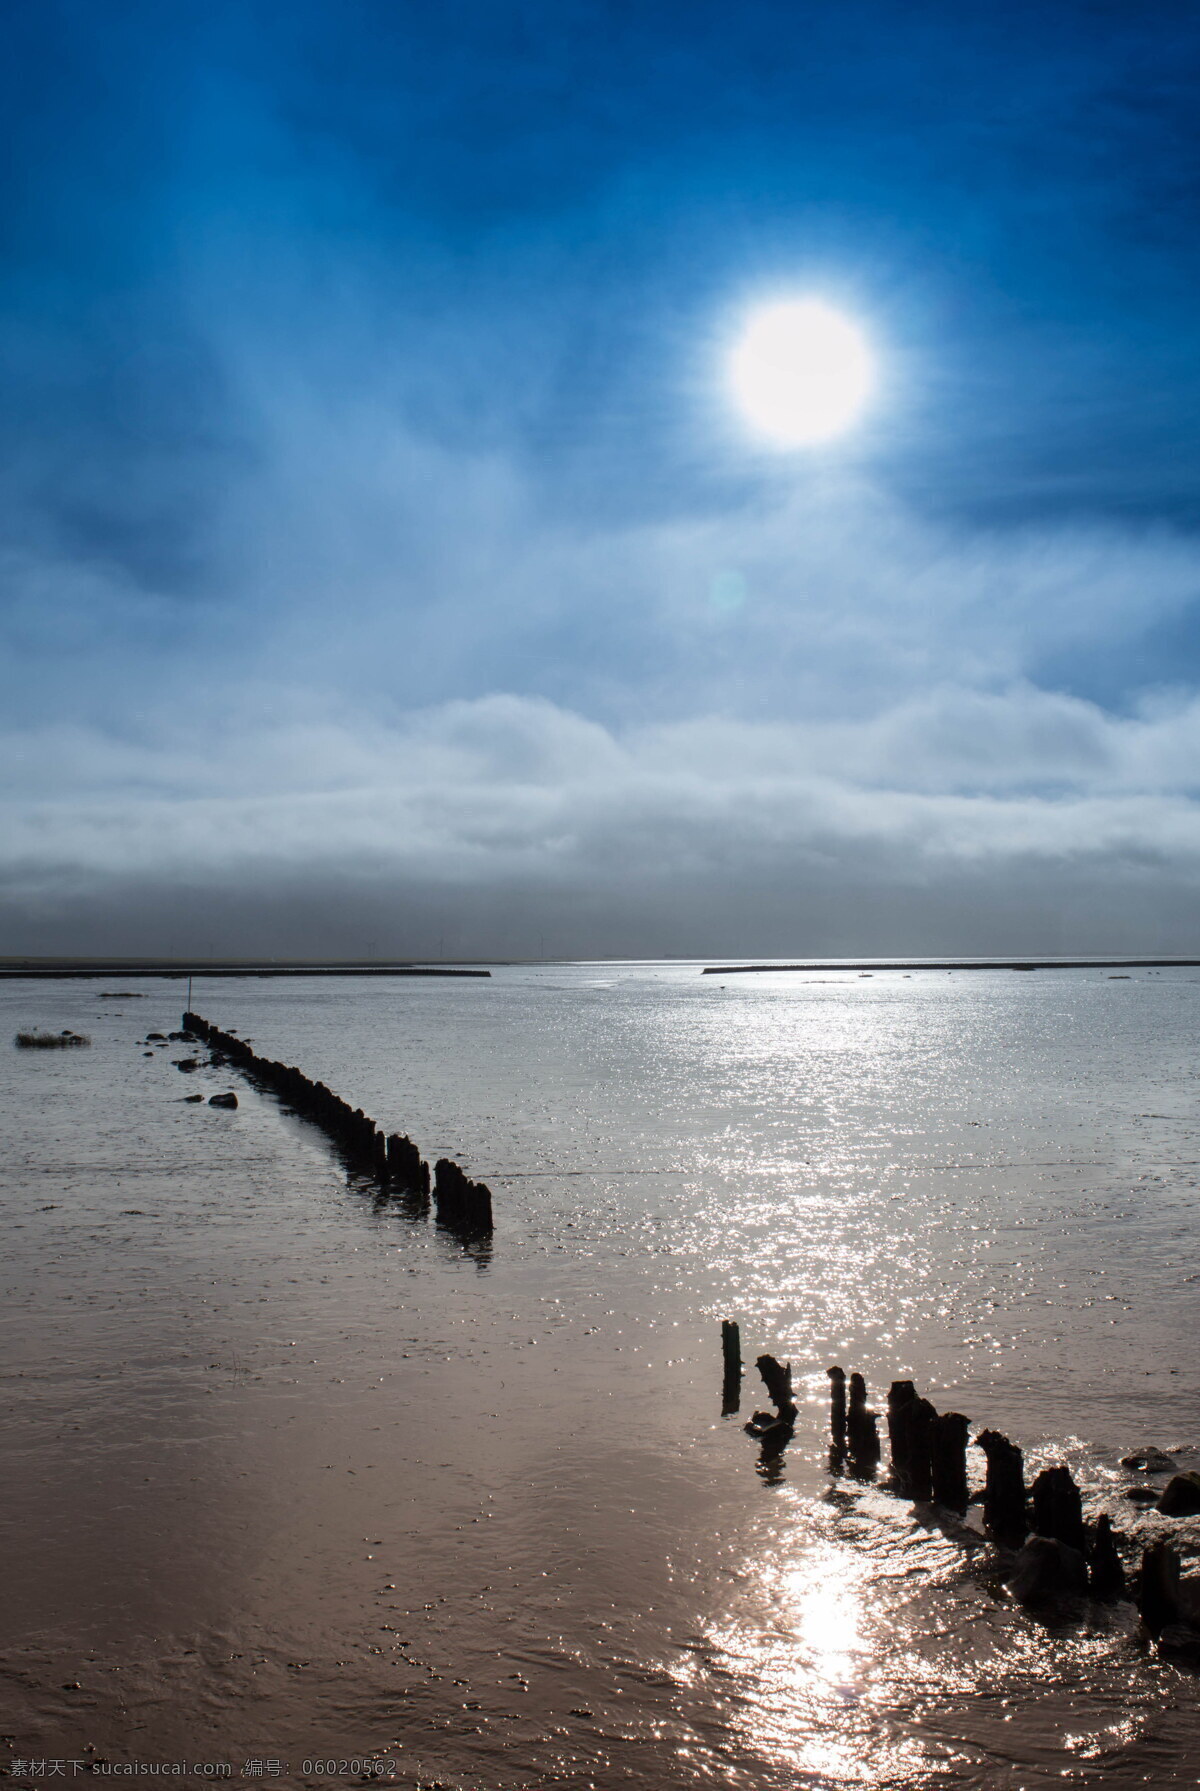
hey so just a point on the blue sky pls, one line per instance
(383, 563)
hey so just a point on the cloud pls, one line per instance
(501, 815)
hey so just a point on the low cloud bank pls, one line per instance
(1018, 820)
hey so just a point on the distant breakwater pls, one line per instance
(88, 970)
(909, 965)
(391, 1160)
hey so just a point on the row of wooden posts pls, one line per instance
(928, 1464)
(390, 1159)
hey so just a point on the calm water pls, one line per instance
(293, 1476)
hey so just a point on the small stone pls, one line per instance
(1046, 1570)
(223, 1100)
(1182, 1496)
(1150, 1460)
(1182, 1642)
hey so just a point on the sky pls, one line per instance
(386, 567)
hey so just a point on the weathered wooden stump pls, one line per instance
(921, 1417)
(1004, 1489)
(837, 1406)
(1106, 1575)
(460, 1204)
(777, 1378)
(901, 1395)
(862, 1427)
(1057, 1507)
(948, 1460)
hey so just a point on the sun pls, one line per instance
(800, 372)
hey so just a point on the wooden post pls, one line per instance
(1057, 1508)
(861, 1426)
(1004, 1489)
(731, 1353)
(948, 1458)
(1106, 1575)
(837, 1406)
(899, 1422)
(777, 1377)
(921, 1418)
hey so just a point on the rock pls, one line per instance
(1181, 1642)
(1181, 1497)
(1150, 1460)
(186, 1063)
(223, 1100)
(1141, 1495)
(1164, 1598)
(776, 1437)
(191, 1099)
(1047, 1569)
(157, 1037)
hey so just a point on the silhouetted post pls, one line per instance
(777, 1377)
(775, 1436)
(731, 1353)
(861, 1425)
(461, 1204)
(1004, 1489)
(1057, 1508)
(1106, 1575)
(948, 1460)
(837, 1406)
(921, 1417)
(901, 1395)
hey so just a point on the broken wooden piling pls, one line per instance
(1004, 1489)
(862, 1427)
(1058, 1508)
(948, 1439)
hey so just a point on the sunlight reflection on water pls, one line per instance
(480, 1495)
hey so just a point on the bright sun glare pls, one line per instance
(800, 372)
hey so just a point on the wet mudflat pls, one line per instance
(296, 1478)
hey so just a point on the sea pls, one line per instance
(300, 1488)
